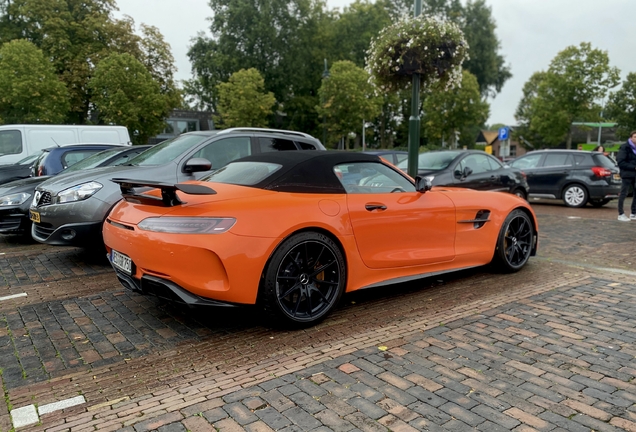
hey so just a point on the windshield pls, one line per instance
(93, 161)
(432, 160)
(242, 173)
(167, 151)
(29, 159)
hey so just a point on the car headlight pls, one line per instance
(187, 225)
(14, 199)
(79, 192)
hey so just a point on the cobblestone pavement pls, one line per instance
(549, 348)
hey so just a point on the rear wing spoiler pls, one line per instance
(169, 196)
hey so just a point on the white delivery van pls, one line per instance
(20, 141)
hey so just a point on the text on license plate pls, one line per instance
(34, 216)
(617, 177)
(121, 261)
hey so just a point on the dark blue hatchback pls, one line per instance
(55, 159)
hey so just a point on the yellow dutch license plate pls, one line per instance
(35, 216)
(617, 177)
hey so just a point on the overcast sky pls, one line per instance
(531, 32)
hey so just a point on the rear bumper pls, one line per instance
(604, 191)
(164, 289)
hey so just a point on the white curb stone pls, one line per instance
(24, 416)
(66, 403)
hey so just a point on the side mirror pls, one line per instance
(197, 165)
(423, 184)
(467, 171)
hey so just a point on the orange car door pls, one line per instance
(403, 229)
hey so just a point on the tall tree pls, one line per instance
(119, 83)
(348, 98)
(30, 92)
(354, 28)
(577, 78)
(76, 35)
(524, 132)
(276, 37)
(485, 62)
(622, 107)
(449, 112)
(243, 100)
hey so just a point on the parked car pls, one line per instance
(18, 170)
(204, 242)
(393, 156)
(577, 177)
(54, 160)
(472, 169)
(70, 209)
(18, 141)
(16, 196)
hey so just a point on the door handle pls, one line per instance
(372, 207)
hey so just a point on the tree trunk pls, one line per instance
(568, 141)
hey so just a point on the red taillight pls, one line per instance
(601, 172)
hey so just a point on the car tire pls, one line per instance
(304, 280)
(514, 244)
(520, 193)
(598, 202)
(575, 195)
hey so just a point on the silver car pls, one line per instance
(69, 209)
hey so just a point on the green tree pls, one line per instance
(621, 107)
(76, 35)
(348, 97)
(125, 93)
(243, 100)
(447, 112)
(524, 132)
(577, 78)
(276, 37)
(485, 62)
(30, 92)
(352, 32)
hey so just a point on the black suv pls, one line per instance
(577, 177)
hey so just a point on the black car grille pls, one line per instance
(45, 199)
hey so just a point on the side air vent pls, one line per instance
(480, 219)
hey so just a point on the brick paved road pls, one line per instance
(549, 348)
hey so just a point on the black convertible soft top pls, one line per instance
(307, 171)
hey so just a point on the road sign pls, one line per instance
(504, 133)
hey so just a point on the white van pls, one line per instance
(20, 141)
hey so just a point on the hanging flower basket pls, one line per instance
(423, 45)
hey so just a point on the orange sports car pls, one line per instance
(293, 231)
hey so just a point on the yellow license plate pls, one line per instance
(617, 177)
(35, 216)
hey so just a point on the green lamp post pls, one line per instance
(414, 120)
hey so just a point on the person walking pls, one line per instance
(626, 161)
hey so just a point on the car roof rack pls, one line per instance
(252, 129)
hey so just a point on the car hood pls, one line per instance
(104, 174)
(23, 185)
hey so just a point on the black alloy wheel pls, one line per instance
(304, 279)
(514, 244)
